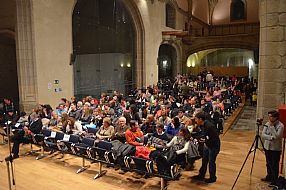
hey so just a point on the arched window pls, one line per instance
(170, 16)
(103, 48)
(238, 10)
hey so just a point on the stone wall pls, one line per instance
(52, 22)
(44, 45)
(272, 64)
(153, 16)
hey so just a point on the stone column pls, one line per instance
(26, 67)
(272, 64)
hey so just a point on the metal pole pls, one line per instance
(283, 152)
(9, 176)
(10, 159)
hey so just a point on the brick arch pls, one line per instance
(139, 41)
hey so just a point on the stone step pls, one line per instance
(246, 120)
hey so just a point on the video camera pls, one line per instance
(259, 121)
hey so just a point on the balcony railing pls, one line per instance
(224, 30)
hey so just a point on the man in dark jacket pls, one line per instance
(211, 148)
(120, 129)
(35, 127)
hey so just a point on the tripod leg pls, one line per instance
(253, 159)
(250, 150)
(282, 161)
(255, 148)
(9, 175)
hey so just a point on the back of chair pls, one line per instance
(92, 130)
(105, 145)
(74, 139)
(104, 152)
(59, 136)
(46, 132)
(143, 165)
(88, 141)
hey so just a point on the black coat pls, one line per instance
(211, 135)
(36, 126)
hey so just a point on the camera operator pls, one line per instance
(272, 134)
(8, 106)
(11, 116)
(9, 120)
(211, 147)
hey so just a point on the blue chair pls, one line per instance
(91, 132)
(51, 141)
(105, 156)
(40, 138)
(83, 149)
(143, 166)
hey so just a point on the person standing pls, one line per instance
(272, 135)
(8, 106)
(211, 148)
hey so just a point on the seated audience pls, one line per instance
(134, 135)
(149, 125)
(120, 130)
(184, 119)
(74, 112)
(164, 119)
(173, 128)
(106, 131)
(73, 127)
(24, 136)
(160, 134)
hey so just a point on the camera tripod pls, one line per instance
(253, 148)
(9, 159)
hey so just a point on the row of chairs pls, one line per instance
(231, 105)
(102, 153)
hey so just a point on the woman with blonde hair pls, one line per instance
(106, 131)
(86, 114)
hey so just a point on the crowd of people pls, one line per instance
(165, 119)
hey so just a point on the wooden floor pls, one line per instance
(56, 173)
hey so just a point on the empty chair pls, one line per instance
(105, 155)
(83, 149)
(91, 132)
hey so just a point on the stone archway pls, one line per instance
(250, 42)
(139, 41)
(110, 46)
(167, 61)
(8, 64)
(177, 45)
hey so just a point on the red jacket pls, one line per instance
(130, 136)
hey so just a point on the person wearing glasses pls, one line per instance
(272, 135)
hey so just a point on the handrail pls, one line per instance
(225, 29)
